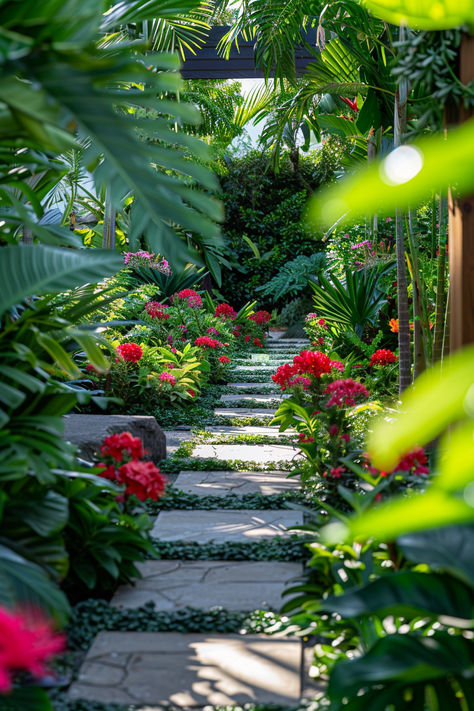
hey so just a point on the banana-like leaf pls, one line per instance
(35, 270)
(424, 14)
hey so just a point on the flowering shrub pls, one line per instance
(192, 298)
(142, 258)
(157, 310)
(206, 342)
(345, 393)
(382, 357)
(318, 332)
(225, 311)
(130, 352)
(27, 643)
(141, 479)
(261, 318)
(224, 360)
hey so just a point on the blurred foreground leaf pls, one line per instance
(424, 14)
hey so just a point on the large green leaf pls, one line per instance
(26, 584)
(46, 516)
(406, 594)
(35, 270)
(424, 14)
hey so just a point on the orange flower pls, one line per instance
(393, 323)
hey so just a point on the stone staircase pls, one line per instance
(156, 669)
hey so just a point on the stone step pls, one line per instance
(243, 412)
(224, 525)
(244, 386)
(253, 397)
(234, 585)
(223, 483)
(255, 368)
(258, 453)
(193, 670)
(272, 431)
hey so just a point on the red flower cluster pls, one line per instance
(236, 331)
(257, 342)
(206, 342)
(122, 446)
(345, 392)
(192, 297)
(335, 472)
(305, 439)
(191, 392)
(337, 365)
(156, 310)
(312, 363)
(26, 645)
(224, 360)
(130, 352)
(225, 311)
(414, 462)
(382, 357)
(260, 317)
(143, 479)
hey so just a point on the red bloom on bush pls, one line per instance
(260, 317)
(192, 297)
(90, 367)
(335, 472)
(122, 446)
(236, 331)
(283, 375)
(224, 360)
(337, 365)
(414, 462)
(257, 342)
(156, 310)
(27, 643)
(314, 363)
(191, 392)
(225, 311)
(166, 377)
(130, 352)
(206, 342)
(305, 439)
(143, 479)
(345, 392)
(382, 357)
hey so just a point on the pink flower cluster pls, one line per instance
(27, 643)
(192, 297)
(225, 311)
(344, 393)
(130, 352)
(415, 462)
(166, 377)
(157, 310)
(206, 342)
(260, 317)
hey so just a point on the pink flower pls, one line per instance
(206, 342)
(337, 365)
(305, 439)
(27, 643)
(156, 310)
(260, 317)
(166, 377)
(143, 479)
(130, 352)
(213, 330)
(192, 297)
(345, 392)
(333, 430)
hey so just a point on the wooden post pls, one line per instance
(461, 235)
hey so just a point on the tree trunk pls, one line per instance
(440, 308)
(27, 236)
(404, 355)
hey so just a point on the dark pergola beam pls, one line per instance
(207, 64)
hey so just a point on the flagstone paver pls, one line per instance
(223, 483)
(252, 368)
(244, 412)
(235, 585)
(258, 453)
(192, 670)
(254, 386)
(224, 525)
(270, 431)
(255, 397)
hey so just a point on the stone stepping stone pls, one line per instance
(258, 453)
(191, 670)
(175, 438)
(236, 585)
(223, 483)
(252, 368)
(249, 386)
(255, 397)
(272, 431)
(224, 525)
(244, 412)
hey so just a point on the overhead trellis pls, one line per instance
(207, 63)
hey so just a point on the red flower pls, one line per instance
(224, 360)
(344, 392)
(283, 375)
(206, 342)
(416, 460)
(352, 104)
(130, 352)
(143, 479)
(90, 367)
(256, 342)
(382, 357)
(236, 331)
(122, 446)
(225, 311)
(247, 339)
(192, 297)
(27, 643)
(260, 317)
(305, 439)
(337, 365)
(323, 323)
(313, 363)
(191, 392)
(335, 472)
(156, 310)
(333, 430)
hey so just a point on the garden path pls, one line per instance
(197, 670)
